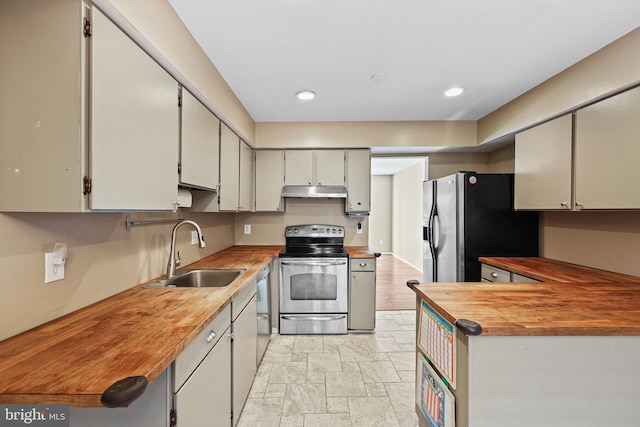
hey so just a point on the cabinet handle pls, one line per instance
(578, 205)
(494, 275)
(212, 335)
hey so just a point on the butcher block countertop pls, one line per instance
(359, 252)
(552, 308)
(551, 270)
(139, 332)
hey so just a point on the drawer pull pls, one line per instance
(494, 275)
(212, 335)
(363, 264)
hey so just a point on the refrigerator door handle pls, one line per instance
(432, 217)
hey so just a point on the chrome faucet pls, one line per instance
(174, 261)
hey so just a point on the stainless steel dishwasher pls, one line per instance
(263, 306)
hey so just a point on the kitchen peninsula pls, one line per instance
(528, 354)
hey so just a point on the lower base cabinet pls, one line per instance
(244, 348)
(362, 294)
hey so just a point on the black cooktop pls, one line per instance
(314, 241)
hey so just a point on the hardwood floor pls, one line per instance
(392, 292)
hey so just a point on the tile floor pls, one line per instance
(338, 380)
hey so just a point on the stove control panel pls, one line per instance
(314, 231)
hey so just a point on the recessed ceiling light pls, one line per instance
(454, 91)
(306, 95)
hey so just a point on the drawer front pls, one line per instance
(363, 264)
(515, 277)
(191, 356)
(495, 274)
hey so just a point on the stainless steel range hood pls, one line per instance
(321, 191)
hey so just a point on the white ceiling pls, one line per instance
(267, 50)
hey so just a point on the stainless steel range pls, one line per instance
(314, 280)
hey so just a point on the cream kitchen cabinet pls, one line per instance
(358, 181)
(269, 180)
(584, 162)
(543, 173)
(314, 167)
(202, 377)
(199, 144)
(607, 153)
(89, 121)
(362, 294)
(236, 172)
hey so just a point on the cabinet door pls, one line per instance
(247, 171)
(607, 153)
(358, 181)
(329, 167)
(298, 167)
(134, 125)
(244, 355)
(269, 180)
(199, 144)
(229, 169)
(543, 174)
(205, 399)
(362, 297)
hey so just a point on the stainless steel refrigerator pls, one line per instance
(468, 215)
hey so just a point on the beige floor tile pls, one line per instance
(403, 361)
(379, 372)
(402, 396)
(324, 362)
(277, 353)
(275, 390)
(372, 412)
(407, 376)
(376, 389)
(337, 405)
(324, 420)
(350, 367)
(292, 420)
(305, 399)
(404, 337)
(407, 419)
(405, 318)
(355, 352)
(261, 412)
(308, 344)
(316, 377)
(288, 372)
(387, 325)
(380, 345)
(343, 384)
(299, 357)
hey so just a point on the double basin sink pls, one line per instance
(204, 278)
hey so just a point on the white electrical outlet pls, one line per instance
(53, 268)
(381, 242)
(247, 229)
(194, 237)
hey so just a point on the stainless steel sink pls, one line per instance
(214, 278)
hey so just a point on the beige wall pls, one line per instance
(502, 160)
(443, 164)
(407, 214)
(268, 228)
(366, 134)
(606, 240)
(381, 216)
(607, 71)
(103, 259)
(160, 25)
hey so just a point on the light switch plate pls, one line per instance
(52, 272)
(247, 229)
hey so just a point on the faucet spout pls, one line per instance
(173, 262)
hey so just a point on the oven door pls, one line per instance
(313, 285)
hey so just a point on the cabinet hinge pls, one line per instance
(173, 418)
(86, 28)
(179, 168)
(179, 100)
(86, 185)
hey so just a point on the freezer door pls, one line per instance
(446, 229)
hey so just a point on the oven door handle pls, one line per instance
(314, 263)
(317, 318)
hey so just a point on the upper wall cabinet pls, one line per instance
(269, 180)
(596, 157)
(358, 181)
(89, 120)
(236, 172)
(543, 173)
(607, 153)
(199, 144)
(314, 167)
